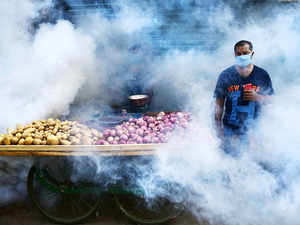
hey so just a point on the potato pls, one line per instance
(38, 136)
(59, 133)
(55, 130)
(20, 131)
(7, 139)
(14, 140)
(21, 141)
(65, 128)
(18, 135)
(28, 141)
(51, 122)
(41, 128)
(64, 137)
(65, 142)
(52, 132)
(37, 141)
(52, 140)
(1, 140)
(30, 130)
(25, 135)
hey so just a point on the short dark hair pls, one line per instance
(242, 43)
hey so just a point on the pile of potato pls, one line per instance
(51, 132)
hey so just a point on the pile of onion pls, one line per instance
(145, 130)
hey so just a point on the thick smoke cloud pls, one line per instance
(258, 187)
(43, 73)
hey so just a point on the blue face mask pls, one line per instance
(243, 60)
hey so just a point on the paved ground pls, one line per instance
(24, 213)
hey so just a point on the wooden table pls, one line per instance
(79, 150)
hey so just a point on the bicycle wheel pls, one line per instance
(145, 210)
(59, 200)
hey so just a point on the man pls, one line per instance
(240, 92)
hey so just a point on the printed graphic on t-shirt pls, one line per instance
(241, 111)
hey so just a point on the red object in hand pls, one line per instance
(248, 87)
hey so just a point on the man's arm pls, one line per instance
(219, 108)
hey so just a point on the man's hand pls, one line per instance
(252, 95)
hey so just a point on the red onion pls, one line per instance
(113, 133)
(133, 136)
(155, 140)
(151, 125)
(179, 114)
(150, 119)
(122, 142)
(106, 133)
(140, 132)
(98, 142)
(166, 120)
(147, 132)
(131, 130)
(147, 129)
(173, 119)
(120, 132)
(159, 127)
(102, 142)
(147, 139)
(187, 117)
(124, 137)
(115, 142)
(140, 122)
(132, 120)
(139, 140)
(110, 139)
(144, 128)
(161, 114)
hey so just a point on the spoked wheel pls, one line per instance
(61, 200)
(147, 210)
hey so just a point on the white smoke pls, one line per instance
(260, 186)
(42, 73)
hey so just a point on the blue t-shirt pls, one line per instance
(230, 85)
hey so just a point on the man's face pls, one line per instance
(243, 50)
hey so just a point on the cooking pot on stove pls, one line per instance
(139, 100)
